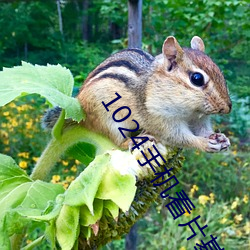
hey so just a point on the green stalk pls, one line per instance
(57, 146)
(16, 240)
(52, 153)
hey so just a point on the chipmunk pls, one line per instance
(171, 96)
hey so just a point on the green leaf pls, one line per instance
(6, 186)
(83, 189)
(58, 127)
(83, 152)
(14, 198)
(112, 207)
(13, 223)
(118, 188)
(7, 220)
(39, 194)
(20, 197)
(53, 82)
(9, 168)
(86, 218)
(86, 231)
(50, 234)
(50, 213)
(4, 240)
(34, 243)
(67, 226)
(25, 203)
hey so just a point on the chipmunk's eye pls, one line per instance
(197, 79)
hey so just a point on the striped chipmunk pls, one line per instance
(171, 96)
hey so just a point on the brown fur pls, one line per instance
(160, 95)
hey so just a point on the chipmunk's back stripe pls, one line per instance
(118, 63)
(142, 53)
(118, 77)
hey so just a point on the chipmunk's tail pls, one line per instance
(50, 117)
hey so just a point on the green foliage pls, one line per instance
(52, 82)
(223, 25)
(81, 58)
(30, 32)
(239, 119)
(83, 152)
(19, 198)
(97, 194)
(160, 232)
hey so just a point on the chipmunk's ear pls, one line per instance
(172, 50)
(197, 43)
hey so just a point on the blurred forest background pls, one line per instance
(79, 34)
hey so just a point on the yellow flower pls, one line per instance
(238, 233)
(245, 199)
(234, 152)
(70, 178)
(193, 190)
(223, 221)
(35, 159)
(73, 168)
(211, 195)
(23, 164)
(6, 149)
(235, 203)
(223, 235)
(197, 152)
(197, 242)
(23, 107)
(187, 213)
(29, 124)
(55, 178)
(6, 141)
(12, 105)
(14, 123)
(203, 199)
(238, 159)
(247, 228)
(238, 218)
(65, 185)
(182, 248)
(65, 163)
(77, 162)
(6, 113)
(4, 134)
(224, 164)
(24, 154)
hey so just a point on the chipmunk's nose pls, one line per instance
(226, 109)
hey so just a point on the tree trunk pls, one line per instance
(59, 16)
(135, 23)
(85, 20)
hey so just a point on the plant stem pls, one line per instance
(52, 153)
(57, 147)
(16, 240)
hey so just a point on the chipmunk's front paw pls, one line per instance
(217, 142)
